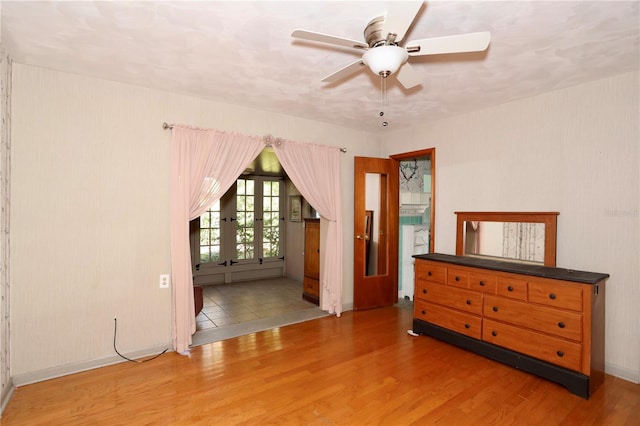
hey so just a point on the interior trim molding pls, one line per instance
(6, 396)
(622, 373)
(78, 367)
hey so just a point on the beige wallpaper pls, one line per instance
(90, 212)
(574, 151)
(89, 203)
(5, 172)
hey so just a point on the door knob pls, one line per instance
(359, 237)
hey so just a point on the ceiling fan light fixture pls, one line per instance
(385, 60)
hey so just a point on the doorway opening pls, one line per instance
(416, 217)
(246, 258)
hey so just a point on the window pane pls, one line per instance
(215, 253)
(205, 237)
(204, 254)
(210, 234)
(267, 189)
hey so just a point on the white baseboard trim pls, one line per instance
(77, 367)
(6, 396)
(622, 373)
(402, 295)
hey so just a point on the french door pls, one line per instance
(241, 236)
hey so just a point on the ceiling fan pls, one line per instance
(383, 53)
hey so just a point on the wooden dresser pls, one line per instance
(543, 320)
(311, 284)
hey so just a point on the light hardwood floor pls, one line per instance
(360, 369)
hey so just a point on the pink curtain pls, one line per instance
(204, 165)
(315, 171)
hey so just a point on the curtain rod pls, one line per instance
(166, 126)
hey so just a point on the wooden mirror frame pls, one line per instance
(550, 220)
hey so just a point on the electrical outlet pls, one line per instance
(164, 281)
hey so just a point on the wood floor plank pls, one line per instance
(359, 369)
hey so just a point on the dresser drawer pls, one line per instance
(481, 281)
(465, 300)
(541, 318)
(512, 287)
(425, 270)
(461, 322)
(458, 278)
(551, 349)
(556, 294)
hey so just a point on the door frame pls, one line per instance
(431, 153)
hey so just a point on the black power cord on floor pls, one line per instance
(115, 333)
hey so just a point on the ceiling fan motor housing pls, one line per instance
(373, 32)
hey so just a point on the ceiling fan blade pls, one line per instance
(408, 76)
(343, 72)
(472, 42)
(400, 17)
(326, 38)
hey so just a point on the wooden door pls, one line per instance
(376, 203)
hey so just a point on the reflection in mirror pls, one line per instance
(523, 241)
(525, 237)
(375, 224)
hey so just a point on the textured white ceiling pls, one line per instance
(242, 52)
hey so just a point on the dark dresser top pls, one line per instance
(518, 268)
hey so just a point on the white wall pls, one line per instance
(294, 240)
(90, 212)
(574, 151)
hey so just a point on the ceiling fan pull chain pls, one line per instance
(383, 99)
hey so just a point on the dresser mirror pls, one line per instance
(524, 237)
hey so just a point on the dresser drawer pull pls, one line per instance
(467, 326)
(495, 309)
(510, 288)
(552, 296)
(424, 291)
(429, 273)
(494, 333)
(560, 354)
(423, 312)
(468, 302)
(457, 278)
(481, 283)
(561, 325)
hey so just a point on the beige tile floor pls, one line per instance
(228, 304)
